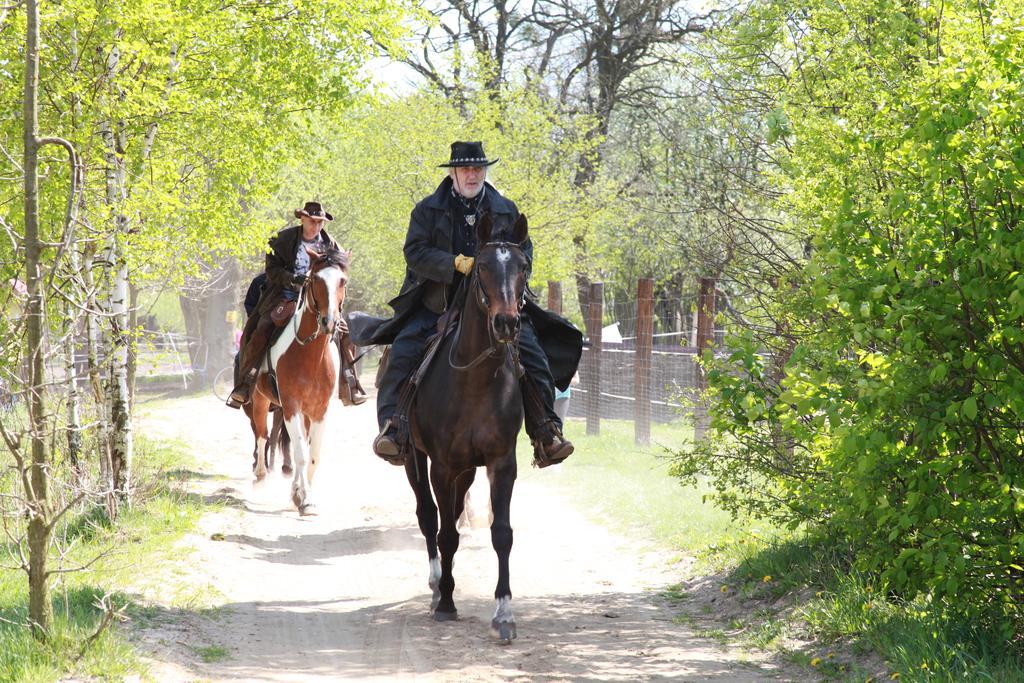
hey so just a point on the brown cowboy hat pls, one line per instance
(313, 210)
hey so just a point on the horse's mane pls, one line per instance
(337, 258)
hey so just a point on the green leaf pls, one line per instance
(970, 408)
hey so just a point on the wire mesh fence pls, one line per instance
(640, 359)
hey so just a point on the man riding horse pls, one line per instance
(287, 266)
(440, 246)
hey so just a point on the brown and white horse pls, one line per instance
(307, 367)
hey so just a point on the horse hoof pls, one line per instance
(286, 469)
(446, 616)
(505, 631)
(308, 510)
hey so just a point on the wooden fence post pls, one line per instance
(705, 340)
(642, 365)
(555, 296)
(595, 318)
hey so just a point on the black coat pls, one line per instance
(430, 270)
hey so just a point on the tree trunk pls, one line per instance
(211, 340)
(217, 332)
(73, 429)
(119, 434)
(37, 492)
(93, 344)
(193, 312)
(133, 344)
(118, 403)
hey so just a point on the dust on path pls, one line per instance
(344, 594)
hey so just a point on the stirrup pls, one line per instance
(349, 391)
(386, 445)
(238, 398)
(561, 448)
(242, 393)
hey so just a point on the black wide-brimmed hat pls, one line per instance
(313, 210)
(468, 154)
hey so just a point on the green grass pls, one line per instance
(845, 610)
(212, 653)
(627, 487)
(136, 547)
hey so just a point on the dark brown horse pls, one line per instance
(307, 369)
(467, 414)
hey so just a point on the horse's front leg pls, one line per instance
(316, 439)
(295, 423)
(426, 515)
(502, 477)
(450, 491)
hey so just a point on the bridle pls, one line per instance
(496, 347)
(304, 295)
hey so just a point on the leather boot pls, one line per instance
(386, 444)
(242, 392)
(350, 391)
(551, 450)
(252, 354)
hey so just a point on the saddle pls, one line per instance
(281, 315)
(283, 312)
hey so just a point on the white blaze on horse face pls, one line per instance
(504, 256)
(332, 277)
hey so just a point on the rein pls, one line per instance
(296, 317)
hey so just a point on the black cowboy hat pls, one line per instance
(313, 210)
(468, 154)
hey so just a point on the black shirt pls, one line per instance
(465, 214)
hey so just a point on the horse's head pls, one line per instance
(500, 271)
(325, 288)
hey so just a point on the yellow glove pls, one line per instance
(463, 264)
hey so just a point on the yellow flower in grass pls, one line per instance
(816, 661)
(895, 676)
(924, 666)
(724, 588)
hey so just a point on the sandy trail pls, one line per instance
(344, 594)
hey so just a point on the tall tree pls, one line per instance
(35, 474)
(588, 57)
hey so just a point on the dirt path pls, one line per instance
(344, 594)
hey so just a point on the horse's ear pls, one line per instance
(483, 229)
(520, 231)
(348, 255)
